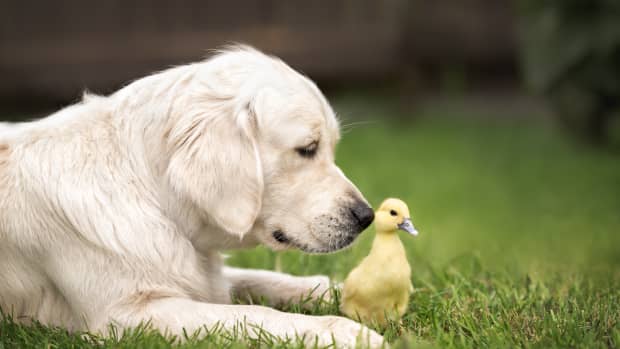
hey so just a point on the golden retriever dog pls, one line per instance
(115, 209)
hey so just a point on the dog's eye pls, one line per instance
(393, 213)
(309, 150)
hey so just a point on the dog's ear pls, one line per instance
(215, 162)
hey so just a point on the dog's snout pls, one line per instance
(363, 214)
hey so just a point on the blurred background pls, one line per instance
(498, 121)
(567, 51)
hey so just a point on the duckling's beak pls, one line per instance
(407, 226)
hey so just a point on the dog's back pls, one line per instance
(26, 290)
(7, 128)
(4, 150)
(4, 126)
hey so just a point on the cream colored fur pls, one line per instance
(115, 210)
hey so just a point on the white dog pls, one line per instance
(114, 210)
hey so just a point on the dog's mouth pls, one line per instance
(279, 236)
(328, 247)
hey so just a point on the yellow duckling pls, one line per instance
(380, 286)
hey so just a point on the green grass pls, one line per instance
(519, 243)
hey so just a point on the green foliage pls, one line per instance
(564, 37)
(518, 243)
(571, 53)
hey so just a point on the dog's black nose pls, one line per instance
(363, 214)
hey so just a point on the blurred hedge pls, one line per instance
(571, 54)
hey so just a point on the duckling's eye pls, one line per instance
(308, 151)
(393, 213)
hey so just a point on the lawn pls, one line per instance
(519, 239)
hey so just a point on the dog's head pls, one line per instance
(255, 152)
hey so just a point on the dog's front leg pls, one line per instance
(175, 314)
(275, 288)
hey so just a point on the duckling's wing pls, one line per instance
(352, 284)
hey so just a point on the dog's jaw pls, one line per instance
(283, 241)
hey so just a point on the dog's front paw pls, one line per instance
(347, 333)
(317, 287)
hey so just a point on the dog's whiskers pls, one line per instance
(346, 128)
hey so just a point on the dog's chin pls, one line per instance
(327, 248)
(282, 241)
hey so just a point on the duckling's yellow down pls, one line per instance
(380, 285)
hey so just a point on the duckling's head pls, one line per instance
(392, 215)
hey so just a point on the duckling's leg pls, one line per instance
(402, 304)
(274, 288)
